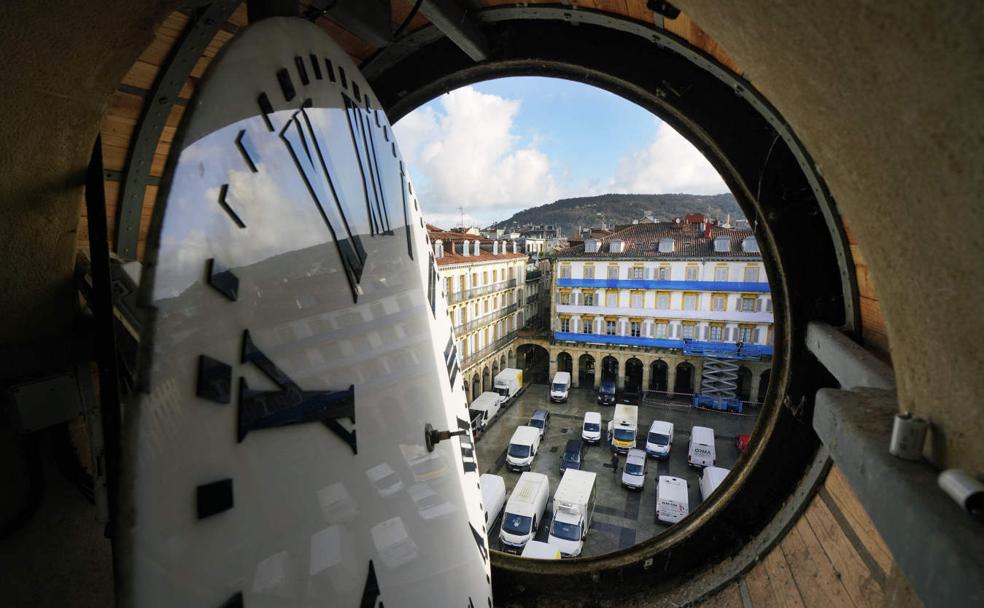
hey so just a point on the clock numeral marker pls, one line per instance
(236, 601)
(290, 404)
(316, 170)
(370, 593)
(248, 150)
(480, 542)
(302, 70)
(224, 203)
(406, 211)
(214, 380)
(315, 66)
(365, 152)
(286, 84)
(468, 462)
(451, 360)
(223, 280)
(356, 92)
(266, 108)
(432, 285)
(329, 69)
(213, 498)
(341, 76)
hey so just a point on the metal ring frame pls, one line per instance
(804, 250)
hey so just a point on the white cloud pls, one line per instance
(669, 164)
(468, 154)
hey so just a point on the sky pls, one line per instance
(500, 146)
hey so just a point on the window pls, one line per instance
(689, 331)
(721, 273)
(613, 272)
(690, 301)
(635, 329)
(768, 305)
(565, 271)
(663, 300)
(692, 273)
(661, 330)
(485, 278)
(747, 304)
(637, 272)
(716, 333)
(610, 328)
(719, 302)
(611, 298)
(663, 273)
(588, 298)
(565, 297)
(585, 325)
(486, 305)
(745, 334)
(450, 285)
(751, 274)
(463, 278)
(636, 301)
(588, 271)
(474, 279)
(565, 324)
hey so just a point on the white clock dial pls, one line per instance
(299, 344)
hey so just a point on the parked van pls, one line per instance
(660, 439)
(591, 428)
(560, 386)
(493, 497)
(541, 420)
(487, 404)
(710, 479)
(524, 511)
(672, 499)
(622, 428)
(522, 448)
(573, 455)
(536, 549)
(606, 392)
(508, 382)
(573, 508)
(634, 471)
(701, 452)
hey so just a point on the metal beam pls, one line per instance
(205, 22)
(449, 17)
(369, 20)
(848, 361)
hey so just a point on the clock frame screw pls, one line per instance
(432, 436)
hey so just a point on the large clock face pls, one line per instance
(299, 344)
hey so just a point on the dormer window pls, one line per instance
(722, 244)
(750, 245)
(667, 245)
(592, 245)
(438, 249)
(616, 246)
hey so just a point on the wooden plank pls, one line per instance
(858, 579)
(781, 580)
(238, 16)
(351, 44)
(729, 597)
(818, 582)
(836, 484)
(759, 588)
(165, 37)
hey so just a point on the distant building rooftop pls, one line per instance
(679, 240)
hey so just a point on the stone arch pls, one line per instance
(512, 358)
(565, 363)
(763, 387)
(495, 369)
(609, 368)
(585, 371)
(633, 375)
(657, 376)
(684, 378)
(743, 388)
(486, 379)
(502, 362)
(534, 360)
(476, 386)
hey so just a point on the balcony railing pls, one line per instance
(532, 297)
(462, 328)
(533, 275)
(476, 356)
(474, 292)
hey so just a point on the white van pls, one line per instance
(701, 452)
(560, 386)
(536, 549)
(524, 511)
(591, 428)
(487, 404)
(522, 448)
(493, 497)
(660, 439)
(508, 382)
(672, 499)
(710, 479)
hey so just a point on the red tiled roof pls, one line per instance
(483, 256)
(642, 240)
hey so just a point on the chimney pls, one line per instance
(438, 249)
(707, 231)
(464, 247)
(515, 247)
(495, 247)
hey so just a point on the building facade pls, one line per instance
(681, 307)
(486, 287)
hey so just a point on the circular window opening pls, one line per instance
(650, 268)
(796, 228)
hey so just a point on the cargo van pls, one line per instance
(536, 549)
(522, 448)
(591, 428)
(701, 452)
(541, 420)
(508, 382)
(524, 511)
(573, 455)
(634, 471)
(623, 427)
(672, 499)
(606, 392)
(573, 508)
(487, 404)
(560, 386)
(710, 479)
(493, 497)
(660, 439)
